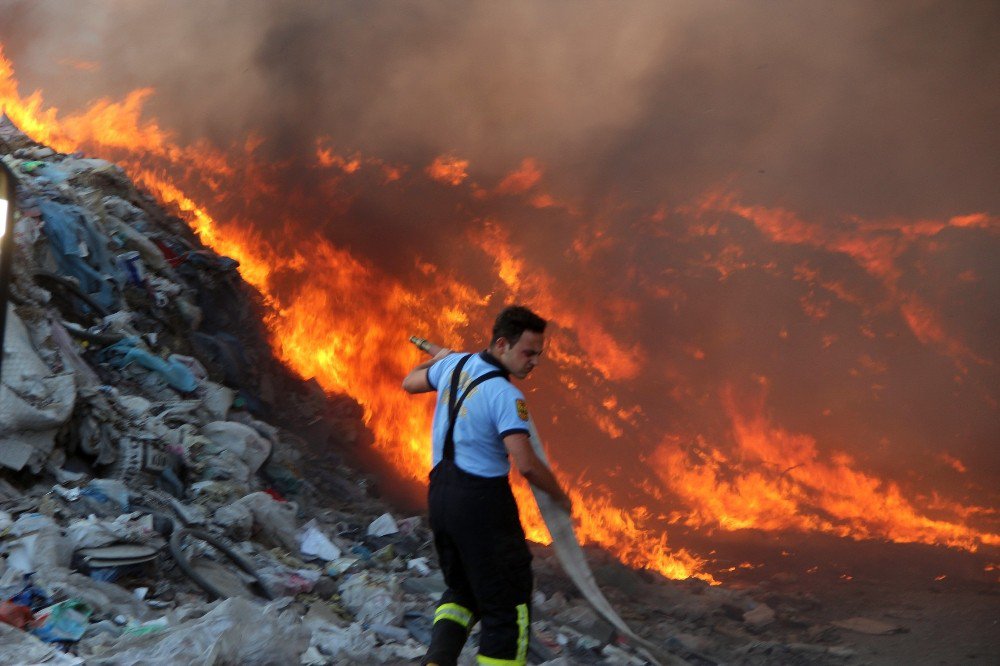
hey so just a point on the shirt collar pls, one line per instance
(492, 360)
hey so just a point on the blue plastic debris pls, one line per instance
(176, 374)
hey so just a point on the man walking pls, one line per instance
(480, 424)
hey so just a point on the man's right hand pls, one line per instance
(534, 470)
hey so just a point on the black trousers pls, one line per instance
(486, 565)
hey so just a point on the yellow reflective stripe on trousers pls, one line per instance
(522, 643)
(457, 614)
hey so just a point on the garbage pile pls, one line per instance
(149, 512)
(152, 512)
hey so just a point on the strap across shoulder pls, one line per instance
(455, 401)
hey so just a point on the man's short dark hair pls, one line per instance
(514, 320)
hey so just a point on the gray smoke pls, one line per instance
(869, 108)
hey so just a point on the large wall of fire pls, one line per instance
(770, 271)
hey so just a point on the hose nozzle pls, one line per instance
(420, 343)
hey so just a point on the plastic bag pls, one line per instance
(383, 526)
(368, 600)
(19, 647)
(235, 631)
(312, 542)
(275, 520)
(35, 401)
(64, 621)
(241, 439)
(40, 545)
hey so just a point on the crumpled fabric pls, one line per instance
(172, 370)
(35, 400)
(274, 520)
(241, 440)
(80, 250)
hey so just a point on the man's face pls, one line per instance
(523, 356)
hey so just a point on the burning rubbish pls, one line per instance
(100, 387)
(169, 490)
(150, 433)
(732, 464)
(710, 470)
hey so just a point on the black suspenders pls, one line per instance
(454, 405)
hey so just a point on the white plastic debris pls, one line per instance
(90, 532)
(312, 542)
(40, 544)
(111, 489)
(273, 519)
(241, 440)
(370, 601)
(134, 405)
(312, 657)
(235, 631)
(20, 647)
(340, 565)
(217, 399)
(68, 494)
(383, 526)
(419, 564)
(236, 519)
(341, 643)
(34, 400)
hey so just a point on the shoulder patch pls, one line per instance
(522, 409)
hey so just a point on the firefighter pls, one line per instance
(480, 425)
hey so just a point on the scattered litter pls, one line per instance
(234, 631)
(419, 564)
(312, 542)
(64, 621)
(20, 647)
(383, 526)
(15, 614)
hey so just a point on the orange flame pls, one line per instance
(874, 250)
(521, 180)
(780, 481)
(448, 169)
(345, 323)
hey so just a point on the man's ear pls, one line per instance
(501, 345)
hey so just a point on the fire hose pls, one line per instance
(570, 553)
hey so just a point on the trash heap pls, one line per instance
(154, 503)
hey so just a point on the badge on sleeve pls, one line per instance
(522, 409)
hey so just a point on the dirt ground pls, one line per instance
(942, 623)
(823, 600)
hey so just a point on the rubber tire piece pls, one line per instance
(176, 541)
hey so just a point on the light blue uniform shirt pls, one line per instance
(495, 408)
